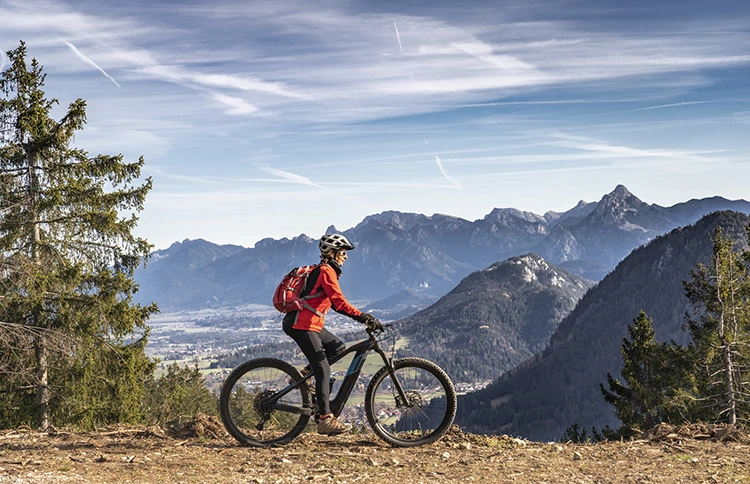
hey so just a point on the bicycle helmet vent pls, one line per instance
(334, 242)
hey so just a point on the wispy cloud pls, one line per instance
(246, 84)
(338, 60)
(615, 151)
(388, 185)
(181, 75)
(88, 60)
(446, 175)
(290, 177)
(486, 53)
(228, 183)
(160, 172)
(672, 105)
(650, 108)
(398, 37)
(237, 106)
(741, 116)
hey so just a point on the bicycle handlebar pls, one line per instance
(377, 332)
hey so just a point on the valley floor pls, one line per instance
(202, 454)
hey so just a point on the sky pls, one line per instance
(275, 118)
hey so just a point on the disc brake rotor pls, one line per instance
(414, 402)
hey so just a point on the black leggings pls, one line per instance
(319, 348)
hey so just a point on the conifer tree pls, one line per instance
(67, 251)
(720, 294)
(658, 380)
(178, 393)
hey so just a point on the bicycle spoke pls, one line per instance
(247, 403)
(425, 414)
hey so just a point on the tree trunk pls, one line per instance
(726, 346)
(40, 343)
(729, 373)
(42, 385)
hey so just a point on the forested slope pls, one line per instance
(560, 386)
(495, 318)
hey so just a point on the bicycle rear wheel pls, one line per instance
(246, 410)
(428, 411)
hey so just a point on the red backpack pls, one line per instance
(286, 297)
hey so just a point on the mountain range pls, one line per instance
(428, 255)
(559, 387)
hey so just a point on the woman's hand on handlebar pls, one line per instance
(370, 321)
(374, 325)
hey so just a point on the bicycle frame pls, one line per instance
(360, 350)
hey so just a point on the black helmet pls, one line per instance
(334, 242)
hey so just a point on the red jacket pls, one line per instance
(327, 294)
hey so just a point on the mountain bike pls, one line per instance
(408, 402)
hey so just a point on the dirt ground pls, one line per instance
(202, 453)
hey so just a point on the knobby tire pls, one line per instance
(242, 395)
(429, 412)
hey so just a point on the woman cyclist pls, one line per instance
(305, 327)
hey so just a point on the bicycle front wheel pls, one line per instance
(428, 411)
(248, 411)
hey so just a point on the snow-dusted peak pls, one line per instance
(533, 261)
(535, 268)
(158, 255)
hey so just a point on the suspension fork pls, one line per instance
(392, 372)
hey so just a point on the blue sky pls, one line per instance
(270, 119)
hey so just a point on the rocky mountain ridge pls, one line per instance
(397, 251)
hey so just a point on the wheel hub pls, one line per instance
(414, 402)
(262, 404)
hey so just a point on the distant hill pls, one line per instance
(560, 386)
(427, 254)
(495, 318)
